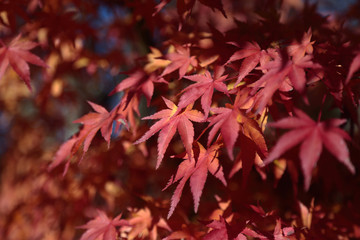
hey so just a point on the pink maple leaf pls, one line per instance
(197, 173)
(181, 60)
(225, 120)
(277, 76)
(312, 136)
(170, 121)
(354, 66)
(102, 227)
(252, 55)
(204, 88)
(222, 230)
(138, 82)
(17, 54)
(100, 119)
(92, 122)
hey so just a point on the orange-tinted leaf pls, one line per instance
(298, 50)
(145, 225)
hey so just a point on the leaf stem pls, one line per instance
(321, 106)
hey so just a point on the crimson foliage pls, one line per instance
(194, 87)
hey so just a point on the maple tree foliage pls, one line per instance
(102, 226)
(111, 108)
(17, 54)
(313, 136)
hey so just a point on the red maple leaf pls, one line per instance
(102, 227)
(230, 120)
(251, 152)
(170, 120)
(17, 54)
(180, 59)
(204, 88)
(127, 110)
(313, 136)
(277, 76)
(63, 153)
(222, 230)
(197, 173)
(101, 120)
(225, 120)
(354, 66)
(252, 55)
(138, 82)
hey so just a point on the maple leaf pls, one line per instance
(229, 121)
(127, 110)
(154, 61)
(280, 73)
(298, 50)
(204, 88)
(92, 122)
(63, 153)
(138, 81)
(100, 119)
(145, 225)
(102, 227)
(354, 66)
(17, 54)
(180, 59)
(313, 136)
(172, 119)
(252, 55)
(250, 154)
(222, 230)
(197, 173)
(225, 120)
(253, 147)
